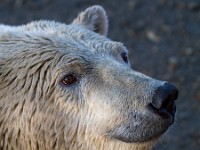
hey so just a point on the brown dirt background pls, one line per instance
(163, 38)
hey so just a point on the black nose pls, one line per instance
(163, 100)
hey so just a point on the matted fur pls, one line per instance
(109, 98)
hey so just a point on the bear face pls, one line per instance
(70, 87)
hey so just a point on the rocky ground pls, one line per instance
(163, 37)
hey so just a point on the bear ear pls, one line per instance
(94, 18)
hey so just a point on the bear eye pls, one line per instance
(69, 80)
(124, 57)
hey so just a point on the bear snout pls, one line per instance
(163, 101)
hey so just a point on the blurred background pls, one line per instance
(163, 38)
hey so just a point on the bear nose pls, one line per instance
(163, 100)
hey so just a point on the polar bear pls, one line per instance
(70, 87)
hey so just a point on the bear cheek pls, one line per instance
(101, 117)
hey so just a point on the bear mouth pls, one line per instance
(139, 141)
(147, 131)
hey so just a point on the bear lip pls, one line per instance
(140, 141)
(116, 134)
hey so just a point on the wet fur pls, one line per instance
(39, 113)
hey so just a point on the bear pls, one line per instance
(71, 87)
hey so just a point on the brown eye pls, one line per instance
(69, 79)
(124, 57)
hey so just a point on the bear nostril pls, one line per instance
(163, 100)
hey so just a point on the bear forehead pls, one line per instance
(61, 36)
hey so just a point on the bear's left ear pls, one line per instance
(93, 18)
